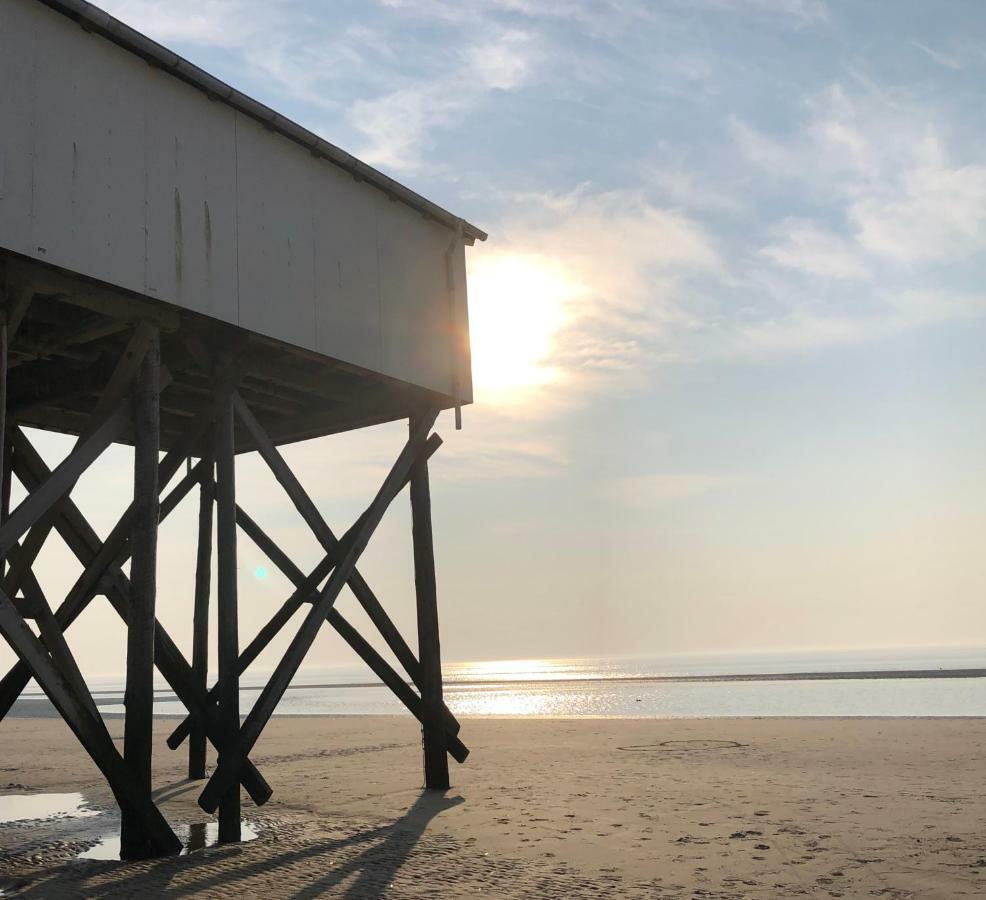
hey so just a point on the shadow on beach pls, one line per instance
(369, 860)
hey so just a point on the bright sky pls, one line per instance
(728, 328)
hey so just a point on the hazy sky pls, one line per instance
(729, 326)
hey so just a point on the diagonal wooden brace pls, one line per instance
(61, 480)
(356, 641)
(306, 591)
(113, 394)
(90, 731)
(324, 535)
(97, 556)
(106, 558)
(355, 543)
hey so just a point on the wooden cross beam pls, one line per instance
(38, 502)
(103, 561)
(306, 590)
(113, 395)
(323, 534)
(354, 542)
(52, 636)
(356, 641)
(97, 556)
(66, 694)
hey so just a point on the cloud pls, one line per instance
(888, 202)
(398, 125)
(928, 214)
(943, 59)
(902, 195)
(803, 245)
(220, 23)
(802, 12)
(598, 274)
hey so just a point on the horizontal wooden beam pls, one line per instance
(92, 295)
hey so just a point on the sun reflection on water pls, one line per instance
(519, 670)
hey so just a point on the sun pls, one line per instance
(518, 304)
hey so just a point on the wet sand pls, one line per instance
(710, 808)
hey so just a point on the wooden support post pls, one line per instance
(429, 652)
(6, 451)
(8, 474)
(229, 680)
(200, 621)
(135, 844)
(4, 484)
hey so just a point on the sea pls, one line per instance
(897, 682)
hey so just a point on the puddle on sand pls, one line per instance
(42, 807)
(194, 837)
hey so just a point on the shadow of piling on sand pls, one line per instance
(378, 864)
(369, 859)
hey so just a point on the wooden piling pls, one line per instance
(229, 681)
(200, 622)
(429, 651)
(135, 843)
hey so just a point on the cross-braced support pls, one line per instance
(129, 408)
(48, 657)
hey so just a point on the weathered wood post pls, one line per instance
(6, 455)
(135, 842)
(200, 621)
(229, 679)
(429, 650)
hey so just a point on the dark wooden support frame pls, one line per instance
(132, 398)
(352, 545)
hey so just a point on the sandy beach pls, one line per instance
(544, 808)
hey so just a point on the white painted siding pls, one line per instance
(122, 172)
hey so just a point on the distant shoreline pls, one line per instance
(763, 676)
(452, 685)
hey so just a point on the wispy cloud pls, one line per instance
(625, 261)
(805, 246)
(894, 203)
(397, 126)
(943, 59)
